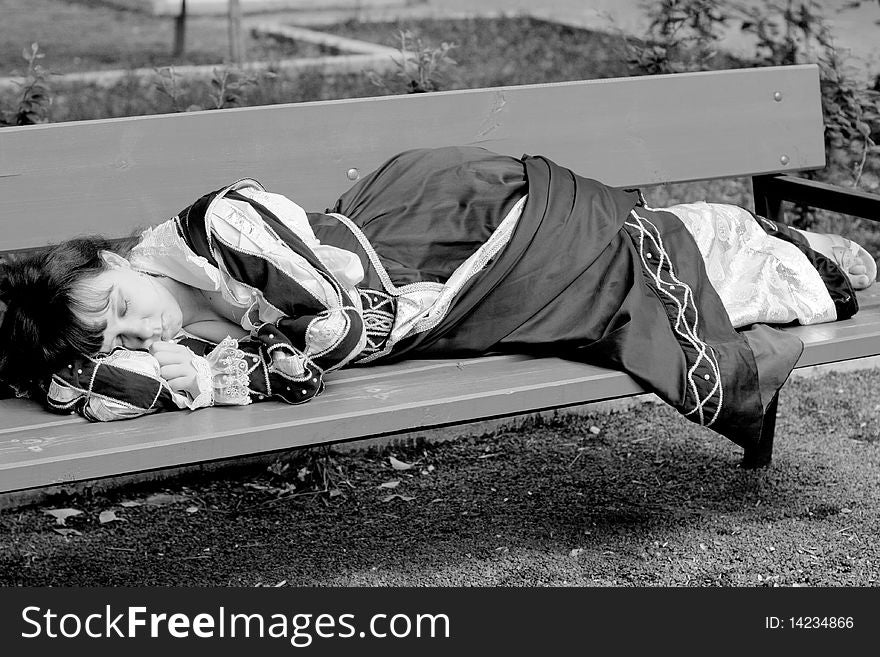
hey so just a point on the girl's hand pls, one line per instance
(175, 366)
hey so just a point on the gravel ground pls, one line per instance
(634, 498)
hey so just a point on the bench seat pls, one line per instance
(38, 449)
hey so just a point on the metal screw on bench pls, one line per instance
(777, 96)
(352, 174)
(783, 159)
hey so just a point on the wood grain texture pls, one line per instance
(112, 176)
(38, 449)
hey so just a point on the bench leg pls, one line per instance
(767, 204)
(760, 455)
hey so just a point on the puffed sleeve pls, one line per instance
(247, 370)
(120, 385)
(127, 383)
(305, 317)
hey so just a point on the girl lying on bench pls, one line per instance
(243, 296)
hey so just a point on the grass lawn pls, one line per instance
(84, 36)
(488, 53)
(496, 52)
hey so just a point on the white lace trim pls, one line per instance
(162, 251)
(205, 383)
(229, 373)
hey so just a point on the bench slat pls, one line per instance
(837, 341)
(110, 176)
(460, 392)
(358, 403)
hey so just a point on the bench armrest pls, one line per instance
(770, 191)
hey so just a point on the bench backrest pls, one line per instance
(113, 176)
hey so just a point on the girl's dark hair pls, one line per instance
(42, 323)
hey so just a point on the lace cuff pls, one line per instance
(205, 382)
(230, 377)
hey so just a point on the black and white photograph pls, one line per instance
(576, 296)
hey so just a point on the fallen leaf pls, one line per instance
(595, 430)
(399, 465)
(390, 484)
(281, 583)
(67, 532)
(192, 509)
(403, 498)
(61, 515)
(335, 493)
(108, 516)
(575, 552)
(488, 456)
(161, 499)
(278, 468)
(129, 504)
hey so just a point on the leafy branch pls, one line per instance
(422, 68)
(227, 89)
(35, 99)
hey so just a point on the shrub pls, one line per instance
(683, 36)
(34, 99)
(421, 68)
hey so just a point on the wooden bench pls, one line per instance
(110, 176)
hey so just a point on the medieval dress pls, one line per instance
(458, 251)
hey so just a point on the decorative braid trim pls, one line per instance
(658, 265)
(379, 311)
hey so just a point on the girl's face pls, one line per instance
(140, 310)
